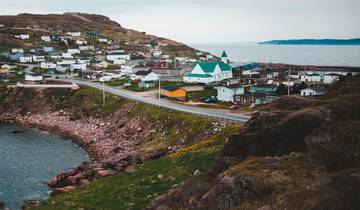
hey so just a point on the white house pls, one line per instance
(73, 51)
(102, 40)
(207, 72)
(78, 66)
(38, 58)
(66, 55)
(86, 47)
(315, 91)
(115, 56)
(66, 62)
(73, 34)
(47, 65)
(33, 77)
(83, 60)
(26, 59)
(311, 78)
(22, 36)
(81, 42)
(330, 78)
(156, 53)
(46, 38)
(144, 76)
(17, 50)
(227, 93)
(119, 61)
(48, 49)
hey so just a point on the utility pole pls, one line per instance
(103, 87)
(289, 81)
(159, 88)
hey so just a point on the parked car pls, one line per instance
(127, 84)
(211, 100)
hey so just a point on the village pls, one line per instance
(203, 79)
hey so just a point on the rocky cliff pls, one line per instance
(296, 153)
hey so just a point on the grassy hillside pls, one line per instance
(58, 24)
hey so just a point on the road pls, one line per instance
(216, 113)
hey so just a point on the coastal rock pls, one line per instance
(57, 191)
(2, 205)
(104, 173)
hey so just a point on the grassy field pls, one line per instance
(196, 96)
(153, 178)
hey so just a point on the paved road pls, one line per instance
(216, 113)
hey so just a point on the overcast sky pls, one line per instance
(214, 21)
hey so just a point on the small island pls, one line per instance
(313, 42)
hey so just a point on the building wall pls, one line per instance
(227, 94)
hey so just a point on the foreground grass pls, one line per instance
(135, 191)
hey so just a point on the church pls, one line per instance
(208, 72)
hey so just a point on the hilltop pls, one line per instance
(56, 24)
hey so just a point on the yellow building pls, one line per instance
(172, 92)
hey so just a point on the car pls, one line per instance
(211, 100)
(127, 84)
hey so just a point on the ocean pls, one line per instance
(325, 55)
(28, 159)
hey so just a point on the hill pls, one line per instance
(313, 42)
(58, 24)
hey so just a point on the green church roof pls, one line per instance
(209, 67)
(224, 55)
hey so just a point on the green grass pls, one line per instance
(196, 96)
(135, 191)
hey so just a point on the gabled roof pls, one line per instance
(224, 55)
(143, 73)
(209, 67)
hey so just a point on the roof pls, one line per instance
(209, 67)
(168, 88)
(142, 73)
(318, 89)
(197, 75)
(232, 86)
(224, 55)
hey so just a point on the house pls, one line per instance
(314, 91)
(257, 98)
(15, 56)
(46, 38)
(26, 59)
(54, 55)
(7, 66)
(48, 49)
(330, 78)
(66, 62)
(17, 50)
(207, 72)
(78, 66)
(119, 61)
(102, 40)
(171, 92)
(227, 93)
(38, 58)
(156, 53)
(86, 47)
(62, 68)
(115, 56)
(81, 42)
(66, 55)
(47, 65)
(23, 36)
(231, 81)
(75, 34)
(146, 84)
(144, 76)
(311, 78)
(266, 88)
(33, 78)
(73, 51)
(101, 64)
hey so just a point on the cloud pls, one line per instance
(215, 20)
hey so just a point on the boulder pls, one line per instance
(57, 191)
(104, 173)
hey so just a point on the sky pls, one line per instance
(214, 21)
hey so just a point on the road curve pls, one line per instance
(216, 113)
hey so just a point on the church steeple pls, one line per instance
(224, 57)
